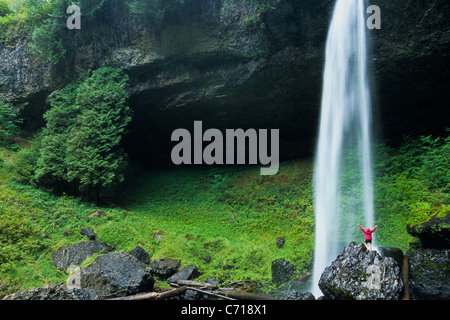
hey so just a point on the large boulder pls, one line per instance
(164, 268)
(429, 274)
(140, 254)
(116, 274)
(357, 274)
(71, 256)
(433, 233)
(53, 292)
(282, 271)
(187, 273)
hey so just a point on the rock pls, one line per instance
(88, 233)
(116, 274)
(357, 274)
(433, 233)
(71, 256)
(158, 237)
(53, 292)
(295, 290)
(140, 254)
(282, 271)
(280, 242)
(187, 273)
(429, 276)
(164, 268)
(394, 253)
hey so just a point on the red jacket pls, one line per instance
(367, 233)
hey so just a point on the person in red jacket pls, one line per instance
(368, 236)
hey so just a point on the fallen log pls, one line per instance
(154, 295)
(212, 293)
(191, 283)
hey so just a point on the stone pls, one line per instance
(358, 274)
(88, 233)
(282, 271)
(429, 275)
(295, 290)
(53, 292)
(280, 242)
(116, 274)
(394, 253)
(433, 233)
(71, 256)
(164, 268)
(141, 254)
(187, 273)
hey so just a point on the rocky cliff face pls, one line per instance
(222, 62)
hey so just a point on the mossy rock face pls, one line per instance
(433, 233)
(429, 274)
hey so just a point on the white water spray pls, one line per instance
(343, 183)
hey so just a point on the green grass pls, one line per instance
(225, 220)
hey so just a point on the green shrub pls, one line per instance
(9, 123)
(47, 42)
(4, 8)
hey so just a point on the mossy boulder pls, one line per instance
(433, 233)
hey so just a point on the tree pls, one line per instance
(94, 155)
(4, 8)
(81, 141)
(60, 118)
(9, 123)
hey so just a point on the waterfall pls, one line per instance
(343, 185)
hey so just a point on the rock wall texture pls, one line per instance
(222, 62)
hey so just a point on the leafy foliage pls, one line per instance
(94, 153)
(9, 123)
(81, 142)
(4, 8)
(47, 42)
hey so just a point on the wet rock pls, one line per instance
(140, 254)
(164, 268)
(53, 292)
(88, 233)
(71, 256)
(295, 290)
(282, 271)
(394, 253)
(280, 242)
(429, 276)
(187, 273)
(116, 274)
(433, 233)
(357, 274)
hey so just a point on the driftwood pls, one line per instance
(212, 293)
(190, 283)
(202, 287)
(155, 295)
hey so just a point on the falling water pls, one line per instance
(343, 168)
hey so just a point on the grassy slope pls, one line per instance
(225, 220)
